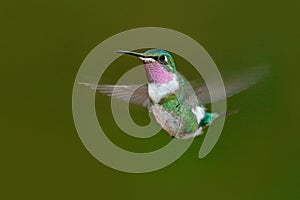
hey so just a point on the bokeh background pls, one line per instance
(43, 44)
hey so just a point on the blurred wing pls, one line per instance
(235, 84)
(136, 94)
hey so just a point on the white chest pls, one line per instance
(159, 91)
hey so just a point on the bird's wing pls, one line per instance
(136, 94)
(236, 83)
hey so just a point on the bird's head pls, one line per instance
(159, 64)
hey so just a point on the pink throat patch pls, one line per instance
(156, 73)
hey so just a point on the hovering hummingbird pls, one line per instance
(177, 108)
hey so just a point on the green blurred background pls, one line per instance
(43, 44)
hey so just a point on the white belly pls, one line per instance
(171, 123)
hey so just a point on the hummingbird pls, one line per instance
(177, 107)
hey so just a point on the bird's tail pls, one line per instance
(228, 113)
(215, 116)
(210, 117)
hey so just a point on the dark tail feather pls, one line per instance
(228, 113)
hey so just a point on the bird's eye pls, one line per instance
(162, 59)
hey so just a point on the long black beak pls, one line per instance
(140, 55)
